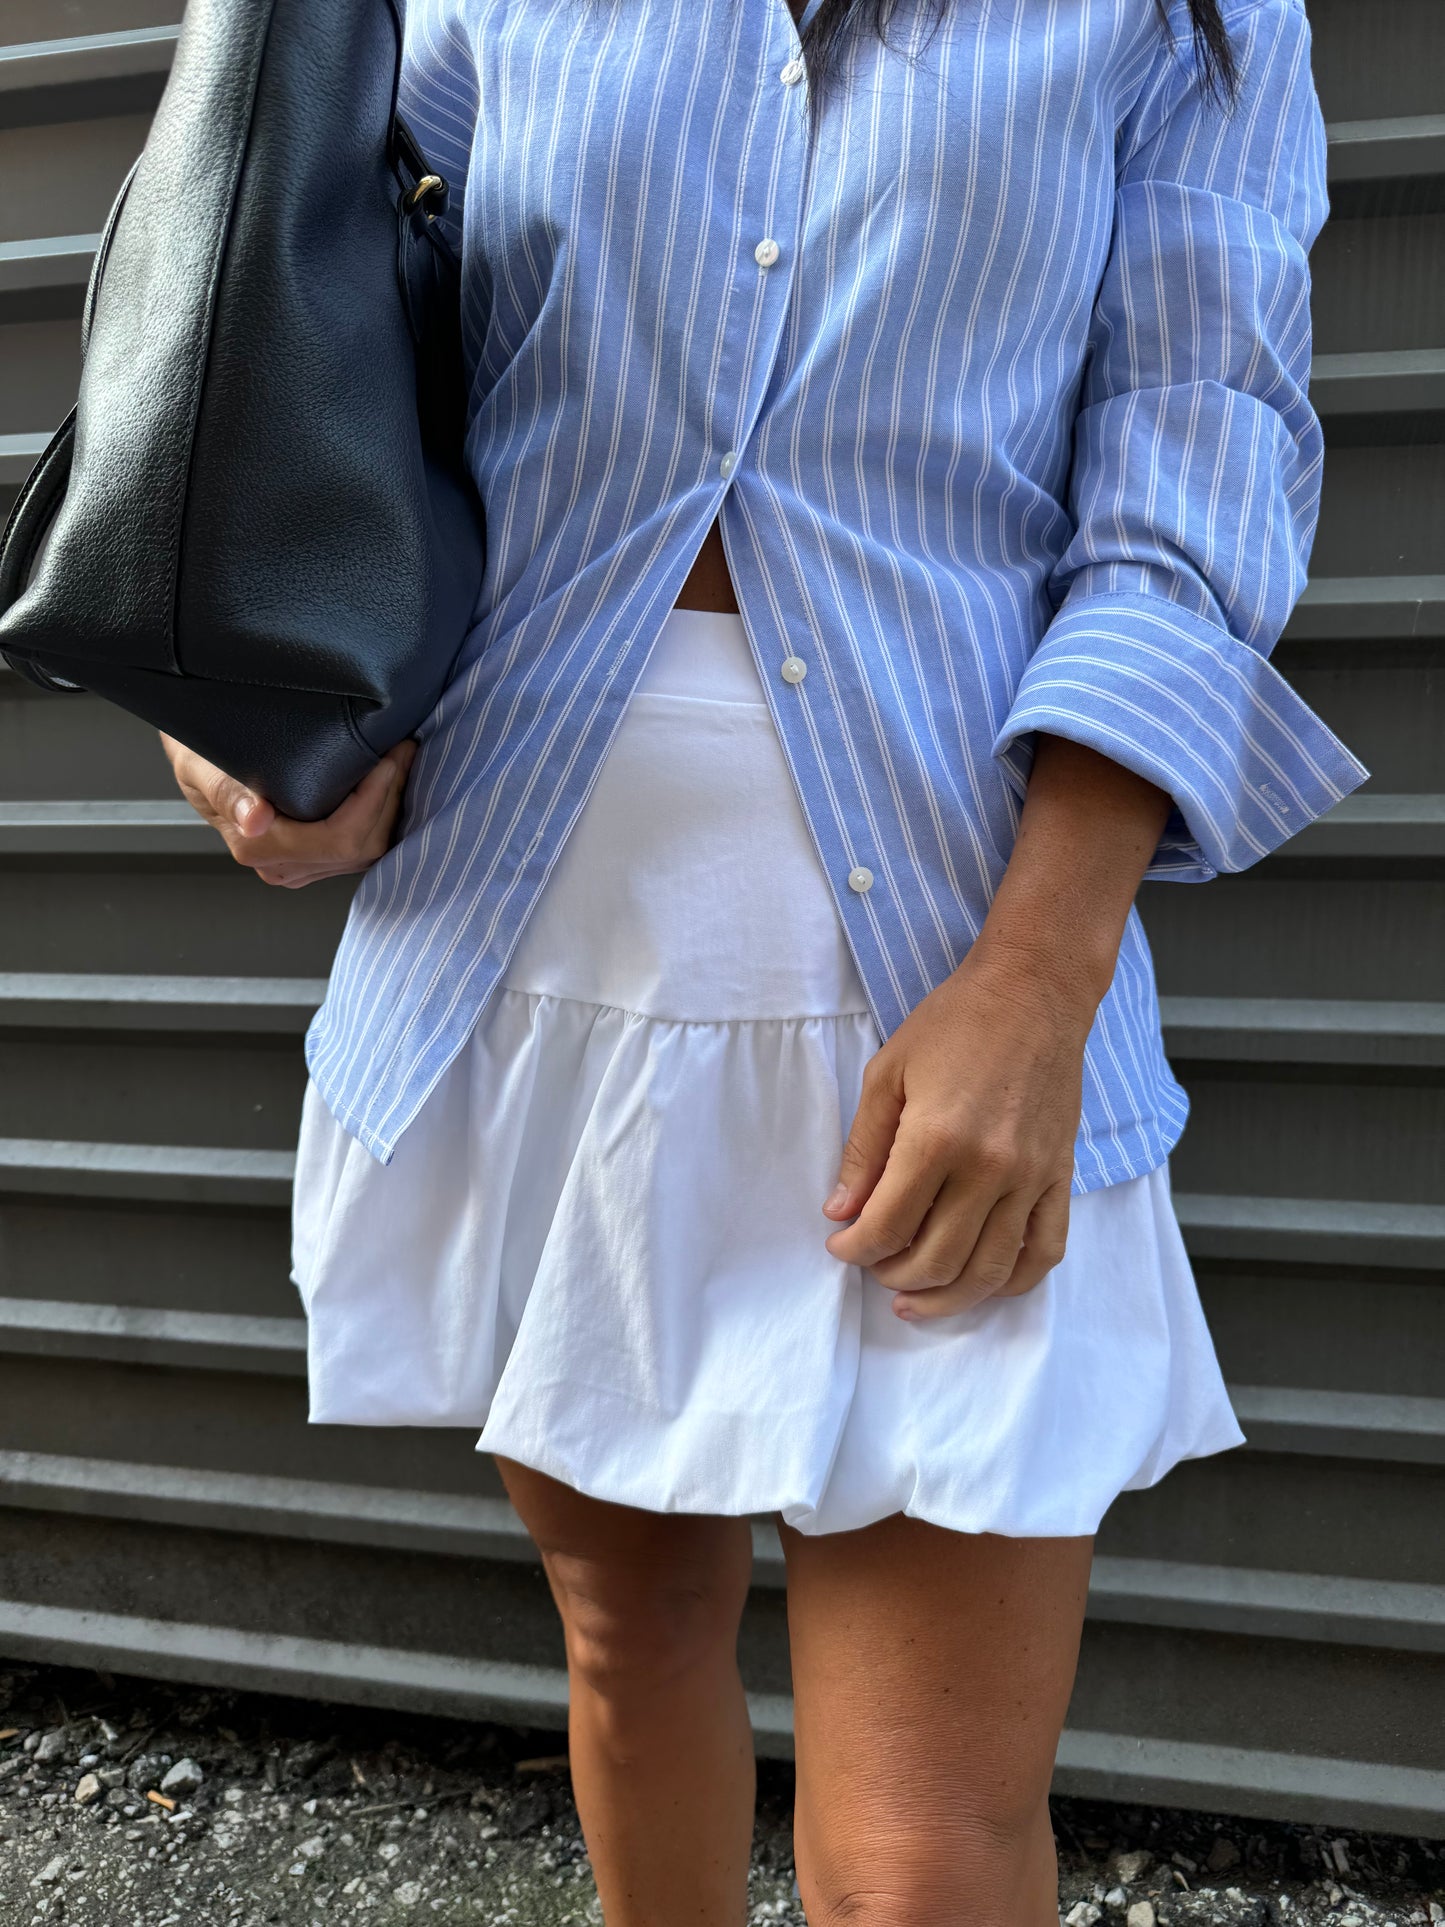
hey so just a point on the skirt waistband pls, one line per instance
(703, 653)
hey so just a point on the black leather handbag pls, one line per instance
(256, 529)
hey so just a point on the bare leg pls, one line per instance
(661, 1746)
(931, 1674)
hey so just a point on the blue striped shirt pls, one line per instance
(999, 388)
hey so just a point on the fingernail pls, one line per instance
(241, 811)
(902, 1309)
(838, 1198)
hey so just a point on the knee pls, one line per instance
(629, 1634)
(982, 1869)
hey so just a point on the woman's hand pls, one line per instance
(958, 1166)
(281, 849)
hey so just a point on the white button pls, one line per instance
(765, 253)
(728, 463)
(792, 73)
(794, 669)
(860, 879)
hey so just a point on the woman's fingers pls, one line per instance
(918, 1163)
(282, 850)
(1014, 1250)
(950, 1232)
(1046, 1239)
(368, 811)
(865, 1154)
(225, 803)
(985, 1269)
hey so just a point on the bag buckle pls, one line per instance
(428, 185)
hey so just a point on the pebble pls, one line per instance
(408, 1893)
(88, 1789)
(51, 1745)
(51, 1871)
(1129, 1867)
(184, 1777)
(1141, 1914)
(1083, 1914)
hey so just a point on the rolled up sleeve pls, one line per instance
(1195, 483)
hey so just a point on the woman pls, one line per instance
(740, 1087)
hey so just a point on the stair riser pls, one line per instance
(1297, 935)
(205, 918)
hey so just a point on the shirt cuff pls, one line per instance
(1183, 703)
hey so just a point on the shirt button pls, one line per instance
(765, 253)
(792, 73)
(794, 669)
(728, 463)
(860, 879)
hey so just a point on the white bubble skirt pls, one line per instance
(601, 1239)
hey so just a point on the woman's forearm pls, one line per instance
(1088, 829)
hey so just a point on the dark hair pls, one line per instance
(837, 23)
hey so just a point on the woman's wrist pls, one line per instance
(1040, 962)
(1086, 834)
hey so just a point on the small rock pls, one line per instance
(1141, 1914)
(1116, 1900)
(310, 1848)
(88, 1789)
(1222, 1854)
(234, 1795)
(111, 1776)
(51, 1746)
(1437, 1912)
(408, 1893)
(1129, 1867)
(388, 1850)
(184, 1777)
(303, 1760)
(1339, 1852)
(50, 1872)
(1083, 1914)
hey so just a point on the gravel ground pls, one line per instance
(124, 1803)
